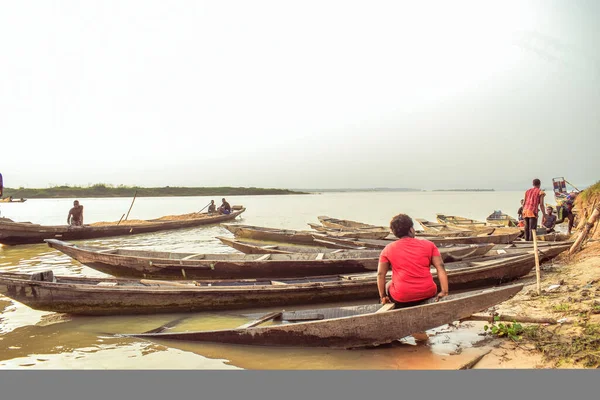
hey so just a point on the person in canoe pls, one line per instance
(75, 217)
(212, 208)
(550, 221)
(410, 260)
(520, 211)
(225, 208)
(534, 199)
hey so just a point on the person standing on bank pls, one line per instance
(75, 217)
(534, 200)
(410, 260)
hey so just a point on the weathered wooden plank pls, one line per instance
(386, 307)
(258, 321)
(199, 255)
(264, 257)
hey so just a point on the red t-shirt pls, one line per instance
(411, 276)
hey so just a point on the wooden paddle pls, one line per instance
(204, 207)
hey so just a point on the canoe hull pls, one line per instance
(14, 233)
(162, 268)
(86, 295)
(355, 331)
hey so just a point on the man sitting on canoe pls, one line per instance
(75, 217)
(212, 208)
(550, 220)
(225, 207)
(410, 260)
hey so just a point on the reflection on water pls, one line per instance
(35, 339)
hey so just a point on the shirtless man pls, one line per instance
(75, 217)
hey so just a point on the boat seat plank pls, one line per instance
(264, 257)
(278, 283)
(386, 307)
(264, 318)
(269, 247)
(337, 251)
(199, 255)
(320, 256)
(302, 316)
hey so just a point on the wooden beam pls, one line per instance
(319, 256)
(386, 307)
(263, 258)
(199, 255)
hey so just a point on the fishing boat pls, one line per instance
(348, 327)
(272, 234)
(11, 200)
(114, 296)
(499, 218)
(364, 233)
(172, 265)
(454, 220)
(341, 243)
(345, 224)
(14, 233)
(450, 253)
(436, 229)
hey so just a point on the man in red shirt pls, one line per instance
(534, 199)
(410, 259)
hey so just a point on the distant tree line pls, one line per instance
(108, 190)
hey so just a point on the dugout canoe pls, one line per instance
(9, 200)
(115, 296)
(331, 242)
(174, 265)
(449, 253)
(14, 233)
(500, 218)
(365, 233)
(272, 234)
(454, 221)
(349, 327)
(345, 224)
(438, 228)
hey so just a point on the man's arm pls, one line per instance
(82, 215)
(442, 276)
(69, 217)
(382, 270)
(542, 207)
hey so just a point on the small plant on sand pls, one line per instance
(511, 331)
(561, 307)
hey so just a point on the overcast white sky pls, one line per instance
(311, 94)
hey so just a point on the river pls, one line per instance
(35, 339)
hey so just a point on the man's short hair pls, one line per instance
(401, 224)
(536, 182)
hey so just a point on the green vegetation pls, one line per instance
(581, 348)
(511, 331)
(590, 191)
(107, 190)
(561, 307)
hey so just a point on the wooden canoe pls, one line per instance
(13, 233)
(114, 296)
(9, 200)
(365, 233)
(450, 253)
(346, 224)
(499, 218)
(172, 265)
(462, 222)
(329, 241)
(353, 326)
(439, 228)
(271, 234)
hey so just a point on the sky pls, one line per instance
(311, 94)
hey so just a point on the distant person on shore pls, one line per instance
(520, 212)
(225, 207)
(75, 217)
(410, 260)
(550, 221)
(534, 199)
(212, 208)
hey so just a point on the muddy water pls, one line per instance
(34, 339)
